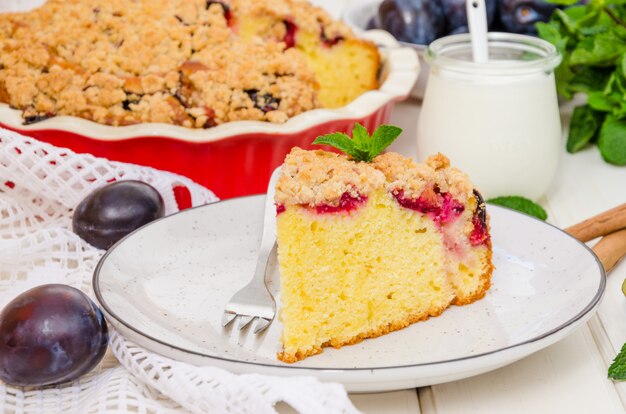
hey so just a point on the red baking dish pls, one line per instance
(236, 158)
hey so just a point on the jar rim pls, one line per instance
(545, 55)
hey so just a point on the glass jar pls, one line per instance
(497, 121)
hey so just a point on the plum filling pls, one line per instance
(290, 35)
(330, 41)
(424, 204)
(128, 102)
(450, 209)
(33, 119)
(346, 203)
(280, 208)
(264, 102)
(225, 9)
(479, 234)
(441, 207)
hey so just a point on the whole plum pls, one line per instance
(520, 16)
(413, 21)
(50, 334)
(455, 13)
(115, 210)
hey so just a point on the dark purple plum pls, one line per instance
(480, 232)
(49, 335)
(115, 210)
(459, 30)
(481, 210)
(455, 13)
(413, 21)
(520, 16)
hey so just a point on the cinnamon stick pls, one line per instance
(600, 225)
(611, 248)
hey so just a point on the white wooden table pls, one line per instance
(567, 377)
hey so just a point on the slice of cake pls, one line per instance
(366, 248)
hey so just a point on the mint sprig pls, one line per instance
(617, 370)
(520, 204)
(591, 38)
(362, 146)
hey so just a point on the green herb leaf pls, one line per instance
(589, 79)
(617, 370)
(338, 140)
(583, 127)
(602, 49)
(520, 204)
(362, 147)
(591, 38)
(563, 2)
(612, 141)
(361, 137)
(383, 137)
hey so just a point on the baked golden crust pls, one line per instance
(183, 62)
(374, 333)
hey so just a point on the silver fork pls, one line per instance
(254, 301)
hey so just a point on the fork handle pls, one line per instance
(268, 237)
(262, 263)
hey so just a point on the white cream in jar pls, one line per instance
(498, 121)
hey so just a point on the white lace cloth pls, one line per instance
(39, 186)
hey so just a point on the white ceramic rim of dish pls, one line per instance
(361, 379)
(401, 69)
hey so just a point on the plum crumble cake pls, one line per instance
(195, 63)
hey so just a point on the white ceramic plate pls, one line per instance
(165, 286)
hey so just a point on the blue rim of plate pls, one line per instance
(588, 308)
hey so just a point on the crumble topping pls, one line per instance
(403, 174)
(195, 63)
(309, 20)
(320, 177)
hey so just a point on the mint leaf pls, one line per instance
(361, 147)
(583, 127)
(589, 79)
(361, 137)
(602, 49)
(338, 140)
(612, 141)
(601, 102)
(520, 204)
(591, 38)
(383, 137)
(617, 370)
